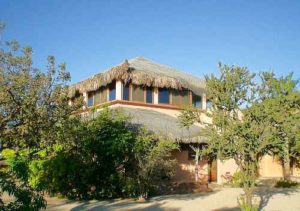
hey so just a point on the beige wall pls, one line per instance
(296, 170)
(185, 169)
(270, 166)
(224, 168)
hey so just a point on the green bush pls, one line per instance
(14, 181)
(246, 206)
(286, 184)
(106, 158)
(236, 179)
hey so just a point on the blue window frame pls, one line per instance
(163, 96)
(90, 99)
(126, 92)
(149, 95)
(197, 103)
(112, 91)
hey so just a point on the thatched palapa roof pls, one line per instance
(141, 71)
(162, 124)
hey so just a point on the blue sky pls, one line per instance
(192, 36)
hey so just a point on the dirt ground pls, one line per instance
(271, 199)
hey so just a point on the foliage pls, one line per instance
(107, 158)
(286, 184)
(154, 162)
(238, 129)
(246, 206)
(33, 112)
(237, 180)
(188, 117)
(281, 101)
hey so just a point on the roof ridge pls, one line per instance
(166, 66)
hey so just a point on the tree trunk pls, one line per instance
(248, 195)
(286, 162)
(196, 165)
(286, 168)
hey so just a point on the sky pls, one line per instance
(193, 36)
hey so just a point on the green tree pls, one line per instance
(33, 110)
(281, 101)
(238, 129)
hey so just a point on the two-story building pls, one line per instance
(153, 94)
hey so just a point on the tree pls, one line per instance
(33, 110)
(282, 103)
(238, 129)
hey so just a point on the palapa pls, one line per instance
(141, 71)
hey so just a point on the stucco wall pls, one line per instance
(185, 169)
(224, 168)
(296, 170)
(270, 166)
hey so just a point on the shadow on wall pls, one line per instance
(185, 169)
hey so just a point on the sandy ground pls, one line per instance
(272, 199)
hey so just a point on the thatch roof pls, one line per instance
(141, 71)
(164, 125)
(159, 123)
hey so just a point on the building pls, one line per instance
(153, 94)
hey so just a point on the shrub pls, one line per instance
(246, 206)
(286, 184)
(236, 179)
(107, 158)
(14, 181)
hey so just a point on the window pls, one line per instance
(197, 101)
(100, 96)
(180, 97)
(149, 95)
(90, 99)
(126, 92)
(176, 97)
(112, 91)
(185, 94)
(138, 93)
(163, 96)
(208, 104)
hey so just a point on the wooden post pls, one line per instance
(191, 98)
(119, 86)
(203, 101)
(85, 100)
(155, 95)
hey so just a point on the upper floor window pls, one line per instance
(100, 96)
(163, 96)
(112, 91)
(149, 95)
(180, 97)
(138, 93)
(90, 99)
(197, 103)
(126, 92)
